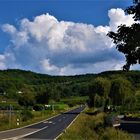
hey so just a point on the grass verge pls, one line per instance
(91, 127)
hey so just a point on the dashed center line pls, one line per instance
(48, 122)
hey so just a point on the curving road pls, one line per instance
(47, 130)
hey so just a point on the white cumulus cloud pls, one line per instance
(50, 46)
(118, 17)
(9, 28)
(2, 62)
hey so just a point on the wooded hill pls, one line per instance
(15, 82)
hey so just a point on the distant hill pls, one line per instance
(14, 80)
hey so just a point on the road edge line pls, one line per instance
(21, 136)
(34, 123)
(69, 125)
(28, 125)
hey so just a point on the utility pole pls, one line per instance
(10, 115)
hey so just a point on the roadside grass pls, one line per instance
(114, 134)
(7, 122)
(91, 127)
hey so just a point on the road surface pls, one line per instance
(46, 130)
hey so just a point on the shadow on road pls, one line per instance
(75, 113)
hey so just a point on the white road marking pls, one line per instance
(22, 136)
(48, 122)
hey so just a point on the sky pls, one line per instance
(61, 37)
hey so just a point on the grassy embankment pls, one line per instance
(92, 127)
(26, 117)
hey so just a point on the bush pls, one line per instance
(92, 111)
(26, 115)
(38, 107)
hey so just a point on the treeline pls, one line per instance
(118, 92)
(112, 87)
(29, 87)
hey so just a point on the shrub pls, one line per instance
(26, 115)
(38, 107)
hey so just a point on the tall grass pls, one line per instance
(89, 127)
(113, 134)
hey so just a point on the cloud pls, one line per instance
(118, 17)
(9, 28)
(55, 47)
(46, 66)
(2, 62)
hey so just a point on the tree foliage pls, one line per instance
(127, 38)
(41, 88)
(101, 86)
(26, 100)
(27, 97)
(43, 98)
(121, 91)
(98, 91)
(116, 91)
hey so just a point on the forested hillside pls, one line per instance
(16, 83)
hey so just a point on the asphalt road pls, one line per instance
(46, 130)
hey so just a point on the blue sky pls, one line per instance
(87, 12)
(71, 10)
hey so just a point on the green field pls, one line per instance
(72, 101)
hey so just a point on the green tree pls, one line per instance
(98, 100)
(27, 97)
(44, 96)
(127, 39)
(26, 100)
(55, 92)
(121, 91)
(101, 87)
